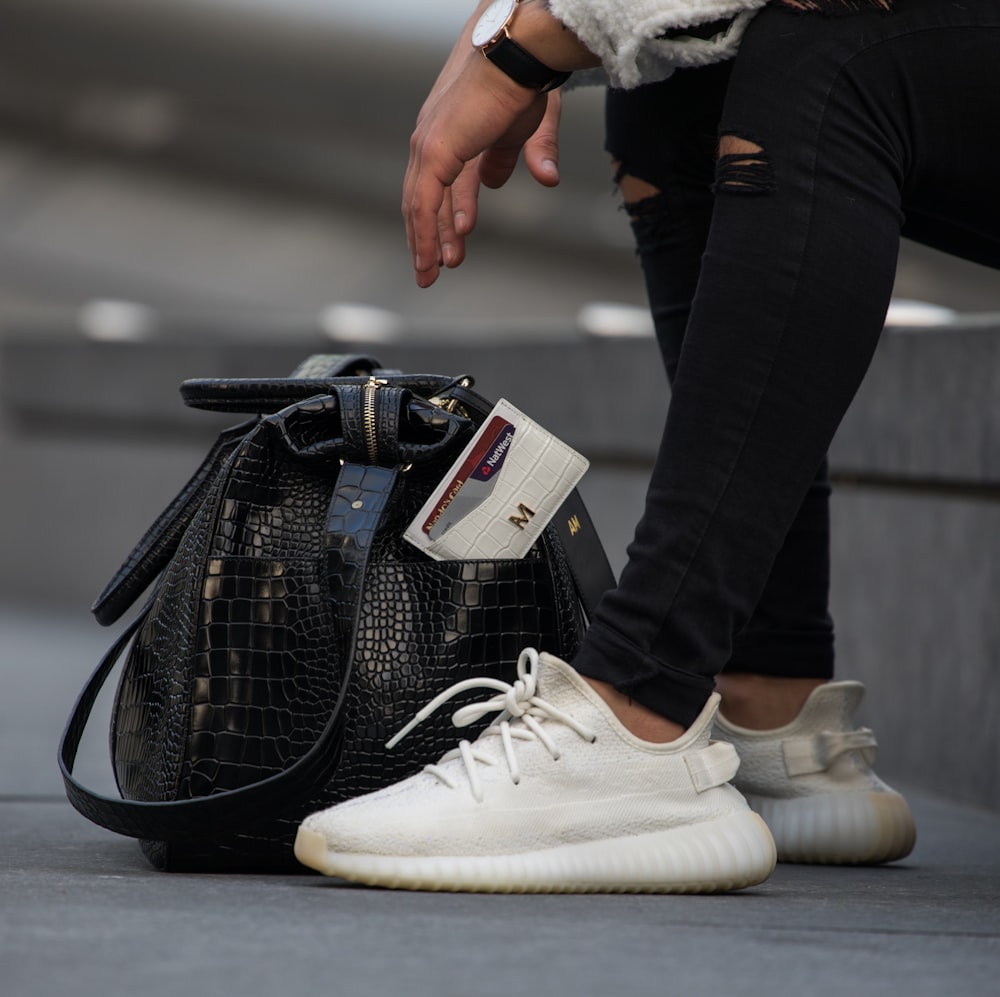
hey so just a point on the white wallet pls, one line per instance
(500, 494)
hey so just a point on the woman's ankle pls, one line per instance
(637, 719)
(763, 702)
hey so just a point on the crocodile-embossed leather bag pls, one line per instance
(291, 630)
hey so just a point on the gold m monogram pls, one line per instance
(522, 516)
(574, 525)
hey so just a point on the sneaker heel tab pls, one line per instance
(835, 699)
(818, 752)
(846, 688)
(711, 766)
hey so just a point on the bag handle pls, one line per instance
(588, 561)
(351, 529)
(158, 544)
(237, 394)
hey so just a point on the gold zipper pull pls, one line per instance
(450, 404)
(368, 414)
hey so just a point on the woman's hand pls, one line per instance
(471, 131)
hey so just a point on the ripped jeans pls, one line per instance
(769, 271)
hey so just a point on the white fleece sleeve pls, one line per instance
(623, 34)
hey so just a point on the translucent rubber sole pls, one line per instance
(863, 828)
(730, 853)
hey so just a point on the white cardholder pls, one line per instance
(500, 494)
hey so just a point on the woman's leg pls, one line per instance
(825, 125)
(829, 124)
(663, 139)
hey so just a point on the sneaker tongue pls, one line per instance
(560, 686)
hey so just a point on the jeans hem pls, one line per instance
(674, 693)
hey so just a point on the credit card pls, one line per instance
(474, 480)
(500, 494)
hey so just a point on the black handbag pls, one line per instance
(291, 630)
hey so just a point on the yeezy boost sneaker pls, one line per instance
(812, 782)
(555, 796)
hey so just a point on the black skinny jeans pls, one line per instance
(769, 298)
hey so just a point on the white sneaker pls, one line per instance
(555, 796)
(813, 784)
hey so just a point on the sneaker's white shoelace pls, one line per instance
(518, 703)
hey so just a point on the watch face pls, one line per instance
(494, 18)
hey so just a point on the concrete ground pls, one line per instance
(81, 913)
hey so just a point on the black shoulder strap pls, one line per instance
(175, 821)
(358, 503)
(158, 544)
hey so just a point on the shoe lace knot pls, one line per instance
(522, 713)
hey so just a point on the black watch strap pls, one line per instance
(522, 67)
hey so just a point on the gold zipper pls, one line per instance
(368, 414)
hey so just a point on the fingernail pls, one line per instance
(448, 254)
(461, 222)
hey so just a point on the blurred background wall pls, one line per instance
(237, 163)
(241, 160)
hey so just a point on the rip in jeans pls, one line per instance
(742, 167)
(646, 206)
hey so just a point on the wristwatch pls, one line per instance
(491, 36)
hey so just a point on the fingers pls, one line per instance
(496, 165)
(498, 162)
(471, 131)
(465, 198)
(541, 151)
(423, 235)
(451, 241)
(426, 207)
(457, 217)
